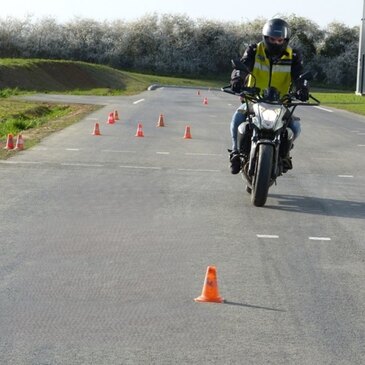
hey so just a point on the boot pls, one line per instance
(235, 162)
(287, 163)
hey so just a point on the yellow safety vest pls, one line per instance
(279, 76)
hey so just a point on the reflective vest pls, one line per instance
(277, 75)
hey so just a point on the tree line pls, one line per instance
(177, 45)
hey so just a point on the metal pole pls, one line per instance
(360, 84)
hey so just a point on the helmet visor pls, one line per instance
(276, 40)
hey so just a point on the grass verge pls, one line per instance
(36, 121)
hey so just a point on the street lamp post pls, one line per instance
(360, 84)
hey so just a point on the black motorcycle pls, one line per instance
(268, 116)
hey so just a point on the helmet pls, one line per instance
(276, 28)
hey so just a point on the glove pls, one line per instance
(236, 85)
(302, 94)
(236, 81)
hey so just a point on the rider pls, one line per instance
(273, 64)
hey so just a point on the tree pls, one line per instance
(337, 38)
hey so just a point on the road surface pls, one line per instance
(105, 241)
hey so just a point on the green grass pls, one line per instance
(340, 100)
(18, 117)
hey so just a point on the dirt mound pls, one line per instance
(45, 75)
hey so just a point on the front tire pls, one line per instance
(262, 177)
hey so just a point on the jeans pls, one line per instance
(240, 116)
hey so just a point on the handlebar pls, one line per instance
(253, 94)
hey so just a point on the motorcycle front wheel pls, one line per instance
(262, 176)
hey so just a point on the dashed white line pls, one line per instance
(320, 238)
(346, 176)
(21, 162)
(267, 236)
(80, 164)
(72, 149)
(116, 151)
(162, 153)
(138, 101)
(361, 145)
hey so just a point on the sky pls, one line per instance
(321, 12)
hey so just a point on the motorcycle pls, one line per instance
(268, 116)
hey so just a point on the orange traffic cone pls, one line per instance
(205, 101)
(139, 132)
(111, 119)
(187, 134)
(210, 291)
(96, 131)
(9, 142)
(116, 116)
(19, 143)
(160, 122)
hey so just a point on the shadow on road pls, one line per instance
(320, 206)
(253, 306)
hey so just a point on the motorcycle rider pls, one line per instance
(273, 64)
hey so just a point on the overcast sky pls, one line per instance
(321, 12)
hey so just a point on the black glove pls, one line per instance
(236, 81)
(302, 94)
(236, 85)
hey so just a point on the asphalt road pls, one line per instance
(105, 241)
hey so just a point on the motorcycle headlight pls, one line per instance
(269, 114)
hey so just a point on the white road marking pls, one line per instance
(116, 151)
(21, 162)
(267, 236)
(361, 145)
(346, 176)
(326, 110)
(199, 170)
(141, 167)
(361, 134)
(138, 101)
(80, 164)
(320, 238)
(72, 149)
(91, 118)
(162, 153)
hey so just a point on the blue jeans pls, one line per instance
(240, 116)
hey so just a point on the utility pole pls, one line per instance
(360, 85)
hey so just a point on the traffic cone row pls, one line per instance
(19, 145)
(113, 116)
